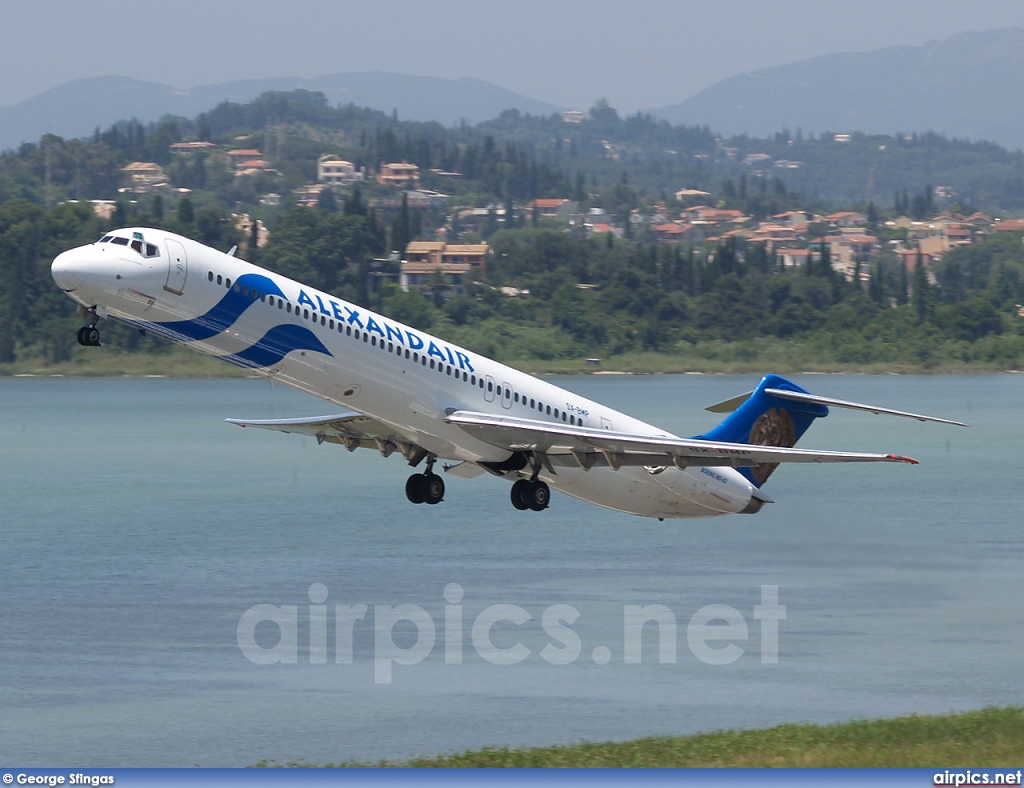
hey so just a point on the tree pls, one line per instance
(354, 205)
(400, 229)
(326, 201)
(924, 298)
(185, 212)
(254, 239)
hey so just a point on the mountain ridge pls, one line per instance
(970, 85)
(76, 108)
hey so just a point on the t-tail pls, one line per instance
(777, 413)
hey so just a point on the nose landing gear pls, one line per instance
(89, 335)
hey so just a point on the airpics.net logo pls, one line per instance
(407, 634)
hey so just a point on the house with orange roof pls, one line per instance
(399, 174)
(238, 157)
(558, 207)
(423, 259)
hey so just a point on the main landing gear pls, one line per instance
(531, 494)
(425, 487)
(89, 335)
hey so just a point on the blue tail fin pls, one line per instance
(766, 420)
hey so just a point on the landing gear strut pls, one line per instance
(425, 487)
(90, 335)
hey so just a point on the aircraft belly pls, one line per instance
(629, 490)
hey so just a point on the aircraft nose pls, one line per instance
(67, 270)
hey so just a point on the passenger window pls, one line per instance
(227, 283)
(516, 397)
(209, 276)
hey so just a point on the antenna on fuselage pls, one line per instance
(232, 250)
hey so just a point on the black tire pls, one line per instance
(93, 337)
(538, 496)
(433, 489)
(414, 488)
(81, 336)
(519, 495)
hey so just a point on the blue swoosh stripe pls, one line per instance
(225, 313)
(275, 345)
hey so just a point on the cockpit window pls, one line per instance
(152, 250)
(119, 241)
(104, 239)
(137, 246)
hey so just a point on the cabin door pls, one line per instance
(177, 267)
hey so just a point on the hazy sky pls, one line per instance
(637, 54)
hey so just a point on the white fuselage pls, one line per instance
(368, 363)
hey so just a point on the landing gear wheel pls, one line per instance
(534, 495)
(414, 488)
(538, 495)
(520, 495)
(424, 488)
(89, 336)
(433, 488)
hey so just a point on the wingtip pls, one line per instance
(898, 458)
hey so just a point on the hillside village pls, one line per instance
(453, 246)
(563, 237)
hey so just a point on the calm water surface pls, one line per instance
(137, 528)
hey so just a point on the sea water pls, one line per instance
(140, 534)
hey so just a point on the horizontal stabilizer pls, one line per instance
(799, 396)
(731, 405)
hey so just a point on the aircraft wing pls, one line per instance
(563, 444)
(352, 430)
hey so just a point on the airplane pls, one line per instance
(408, 392)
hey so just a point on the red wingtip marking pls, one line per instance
(898, 458)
